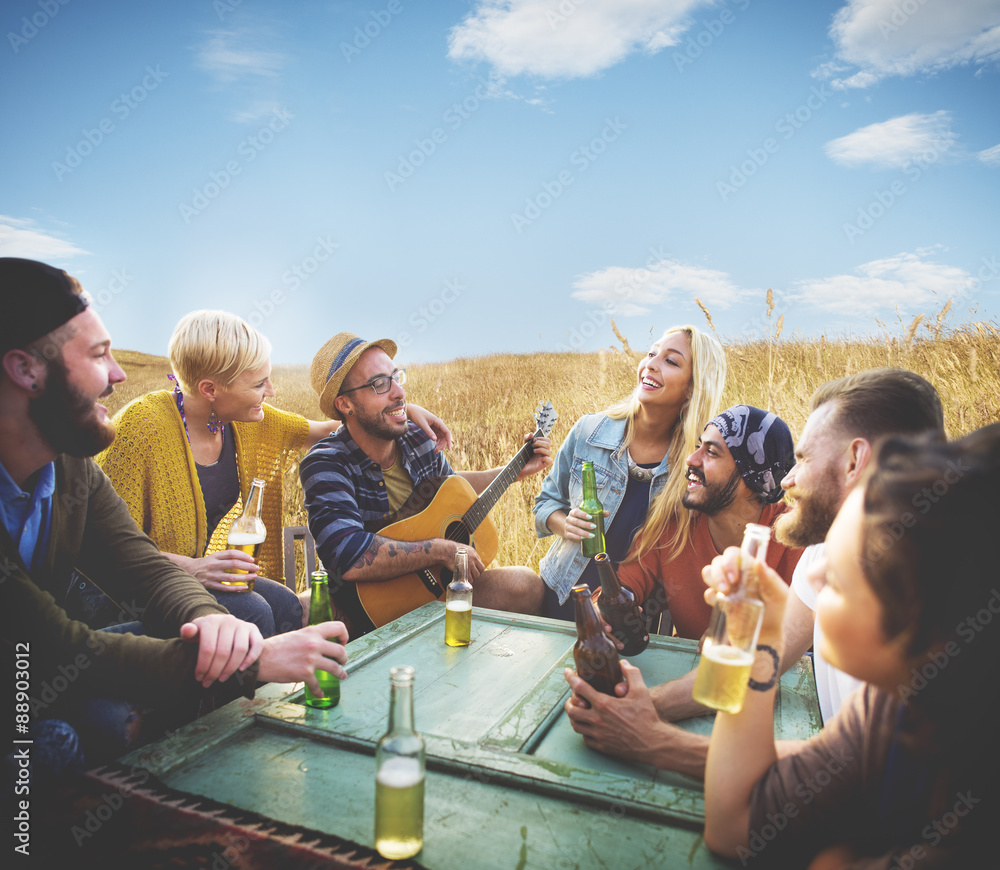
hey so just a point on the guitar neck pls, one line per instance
(491, 495)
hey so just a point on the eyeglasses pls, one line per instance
(381, 384)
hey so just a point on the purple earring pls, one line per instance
(214, 423)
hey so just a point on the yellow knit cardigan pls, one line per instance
(152, 468)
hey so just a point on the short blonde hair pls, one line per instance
(216, 345)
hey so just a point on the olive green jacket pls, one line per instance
(94, 534)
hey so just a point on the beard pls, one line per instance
(811, 517)
(67, 419)
(716, 498)
(376, 425)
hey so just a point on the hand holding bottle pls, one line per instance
(722, 574)
(578, 525)
(215, 570)
(730, 644)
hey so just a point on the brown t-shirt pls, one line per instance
(831, 793)
(680, 578)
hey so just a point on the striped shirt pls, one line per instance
(344, 489)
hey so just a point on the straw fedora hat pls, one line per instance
(334, 361)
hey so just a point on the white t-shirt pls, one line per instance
(832, 685)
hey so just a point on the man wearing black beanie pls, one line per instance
(59, 515)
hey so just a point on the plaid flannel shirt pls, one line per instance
(344, 489)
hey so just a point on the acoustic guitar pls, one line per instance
(441, 507)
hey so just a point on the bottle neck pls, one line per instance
(255, 500)
(754, 549)
(319, 603)
(587, 622)
(589, 483)
(460, 576)
(609, 579)
(401, 708)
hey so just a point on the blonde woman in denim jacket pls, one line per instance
(638, 447)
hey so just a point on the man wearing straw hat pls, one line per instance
(365, 472)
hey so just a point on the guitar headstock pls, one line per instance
(545, 417)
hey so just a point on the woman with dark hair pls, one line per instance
(905, 775)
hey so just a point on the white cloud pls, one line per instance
(19, 237)
(637, 291)
(230, 55)
(895, 142)
(908, 281)
(883, 38)
(566, 38)
(991, 156)
(259, 110)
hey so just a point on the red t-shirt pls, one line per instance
(681, 577)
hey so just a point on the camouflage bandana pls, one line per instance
(761, 444)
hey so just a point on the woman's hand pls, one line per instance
(432, 425)
(723, 575)
(211, 570)
(578, 525)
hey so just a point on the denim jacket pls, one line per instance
(598, 438)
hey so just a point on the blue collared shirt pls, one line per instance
(344, 489)
(28, 515)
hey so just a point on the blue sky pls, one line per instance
(478, 177)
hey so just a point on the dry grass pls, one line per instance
(489, 401)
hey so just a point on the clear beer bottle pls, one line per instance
(730, 643)
(247, 532)
(399, 775)
(458, 603)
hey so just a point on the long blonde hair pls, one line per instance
(708, 378)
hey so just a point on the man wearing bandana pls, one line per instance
(734, 478)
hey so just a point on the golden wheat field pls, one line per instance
(489, 401)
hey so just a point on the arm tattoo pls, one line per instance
(391, 548)
(395, 548)
(368, 556)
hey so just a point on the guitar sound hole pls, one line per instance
(456, 531)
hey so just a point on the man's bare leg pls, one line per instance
(514, 589)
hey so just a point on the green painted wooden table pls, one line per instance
(509, 783)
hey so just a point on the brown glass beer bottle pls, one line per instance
(619, 608)
(595, 654)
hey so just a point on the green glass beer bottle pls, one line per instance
(458, 604)
(319, 612)
(619, 608)
(399, 775)
(595, 654)
(591, 505)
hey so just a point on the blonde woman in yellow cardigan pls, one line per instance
(183, 461)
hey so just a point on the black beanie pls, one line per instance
(34, 299)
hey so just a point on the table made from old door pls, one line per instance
(509, 783)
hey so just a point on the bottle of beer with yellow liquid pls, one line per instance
(399, 775)
(620, 610)
(595, 654)
(320, 611)
(730, 643)
(458, 603)
(247, 532)
(591, 505)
